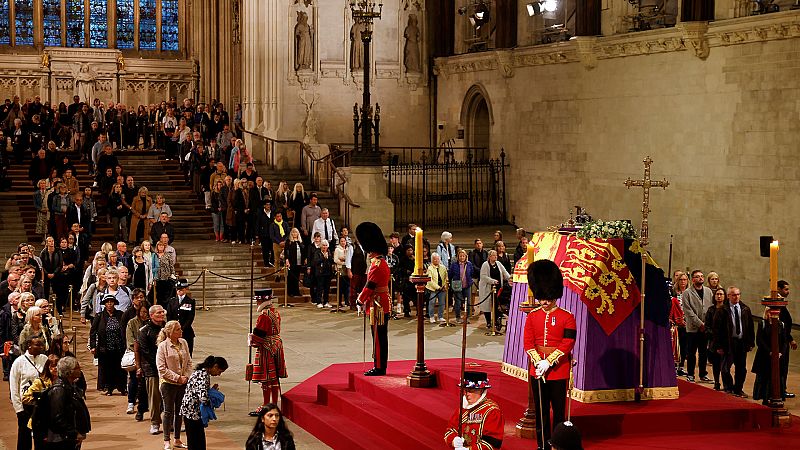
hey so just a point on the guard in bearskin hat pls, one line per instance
(566, 437)
(375, 295)
(549, 338)
(480, 422)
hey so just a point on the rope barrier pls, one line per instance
(273, 273)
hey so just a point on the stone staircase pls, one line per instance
(233, 262)
(148, 169)
(194, 239)
(13, 230)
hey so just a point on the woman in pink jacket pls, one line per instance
(174, 368)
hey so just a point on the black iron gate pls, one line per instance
(452, 193)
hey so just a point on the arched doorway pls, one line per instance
(476, 115)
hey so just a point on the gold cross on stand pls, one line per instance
(646, 184)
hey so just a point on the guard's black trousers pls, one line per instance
(380, 344)
(553, 395)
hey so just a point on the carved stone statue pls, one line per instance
(85, 83)
(411, 50)
(45, 61)
(303, 46)
(120, 63)
(310, 122)
(356, 47)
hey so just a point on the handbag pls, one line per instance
(308, 280)
(456, 285)
(128, 361)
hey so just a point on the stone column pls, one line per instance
(367, 188)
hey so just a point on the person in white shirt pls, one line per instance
(24, 371)
(325, 227)
(340, 255)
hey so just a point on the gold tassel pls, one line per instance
(376, 315)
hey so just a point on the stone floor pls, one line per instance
(313, 339)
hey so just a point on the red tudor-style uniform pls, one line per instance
(483, 427)
(378, 306)
(550, 336)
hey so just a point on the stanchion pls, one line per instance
(206, 308)
(74, 340)
(286, 303)
(395, 314)
(446, 310)
(54, 306)
(493, 331)
(338, 294)
(71, 306)
(155, 293)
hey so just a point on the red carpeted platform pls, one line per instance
(347, 410)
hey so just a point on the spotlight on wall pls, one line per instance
(536, 8)
(480, 15)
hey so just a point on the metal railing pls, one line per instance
(322, 172)
(432, 155)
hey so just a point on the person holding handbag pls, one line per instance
(25, 370)
(137, 390)
(107, 343)
(460, 274)
(436, 289)
(174, 365)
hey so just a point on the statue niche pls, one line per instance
(85, 82)
(304, 48)
(411, 57)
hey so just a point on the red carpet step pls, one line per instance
(347, 410)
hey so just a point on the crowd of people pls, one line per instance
(142, 350)
(711, 324)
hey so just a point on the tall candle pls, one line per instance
(529, 254)
(773, 266)
(418, 251)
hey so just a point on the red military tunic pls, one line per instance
(377, 287)
(550, 336)
(483, 426)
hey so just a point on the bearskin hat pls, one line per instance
(371, 238)
(545, 280)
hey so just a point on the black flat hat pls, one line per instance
(476, 380)
(371, 238)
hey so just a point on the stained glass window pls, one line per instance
(125, 23)
(98, 23)
(51, 17)
(169, 25)
(147, 25)
(5, 25)
(85, 23)
(24, 22)
(76, 35)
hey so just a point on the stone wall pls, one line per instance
(717, 107)
(279, 99)
(133, 81)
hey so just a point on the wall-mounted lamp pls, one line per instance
(536, 8)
